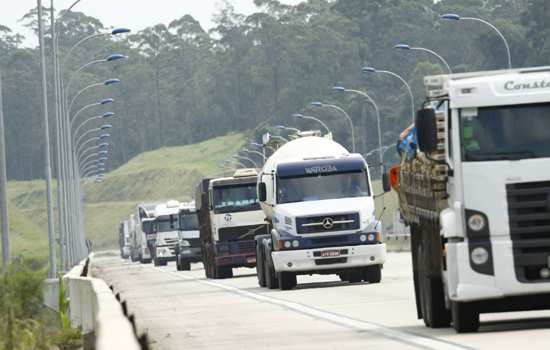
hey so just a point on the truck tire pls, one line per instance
(271, 281)
(178, 263)
(260, 271)
(221, 272)
(160, 262)
(354, 276)
(185, 265)
(465, 317)
(287, 280)
(372, 274)
(432, 297)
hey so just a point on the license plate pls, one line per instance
(251, 260)
(330, 253)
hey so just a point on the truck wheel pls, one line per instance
(185, 265)
(465, 317)
(271, 281)
(344, 276)
(287, 280)
(372, 274)
(355, 276)
(260, 271)
(221, 272)
(432, 297)
(178, 265)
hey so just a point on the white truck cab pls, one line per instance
(319, 201)
(166, 227)
(490, 132)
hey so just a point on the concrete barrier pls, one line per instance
(398, 243)
(94, 308)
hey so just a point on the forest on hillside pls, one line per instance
(182, 84)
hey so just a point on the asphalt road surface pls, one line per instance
(184, 310)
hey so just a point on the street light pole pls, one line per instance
(309, 117)
(373, 70)
(345, 114)
(48, 170)
(455, 17)
(433, 53)
(3, 187)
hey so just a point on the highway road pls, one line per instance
(184, 310)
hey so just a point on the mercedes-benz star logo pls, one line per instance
(328, 223)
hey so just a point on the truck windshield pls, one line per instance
(235, 198)
(167, 223)
(506, 133)
(322, 186)
(189, 222)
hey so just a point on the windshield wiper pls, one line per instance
(516, 155)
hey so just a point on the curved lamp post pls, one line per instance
(103, 102)
(374, 70)
(107, 82)
(308, 117)
(345, 114)
(378, 122)
(103, 116)
(247, 159)
(433, 53)
(455, 17)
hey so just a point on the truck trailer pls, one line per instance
(474, 187)
(229, 219)
(319, 203)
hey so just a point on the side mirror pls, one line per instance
(386, 187)
(426, 130)
(262, 192)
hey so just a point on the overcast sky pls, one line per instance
(134, 14)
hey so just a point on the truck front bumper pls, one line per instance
(166, 253)
(350, 257)
(191, 253)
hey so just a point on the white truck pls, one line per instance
(140, 250)
(318, 200)
(477, 195)
(166, 228)
(229, 219)
(188, 248)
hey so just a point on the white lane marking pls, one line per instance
(404, 337)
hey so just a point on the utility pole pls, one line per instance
(48, 170)
(3, 187)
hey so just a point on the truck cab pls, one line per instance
(484, 243)
(166, 228)
(230, 217)
(188, 248)
(319, 201)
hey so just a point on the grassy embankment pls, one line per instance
(162, 174)
(166, 173)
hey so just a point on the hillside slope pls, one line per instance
(165, 173)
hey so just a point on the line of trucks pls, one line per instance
(473, 184)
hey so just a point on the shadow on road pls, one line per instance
(515, 325)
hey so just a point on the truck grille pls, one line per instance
(229, 234)
(529, 219)
(170, 241)
(327, 223)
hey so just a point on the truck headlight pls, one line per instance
(479, 256)
(295, 244)
(185, 243)
(363, 238)
(288, 244)
(476, 222)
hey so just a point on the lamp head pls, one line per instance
(297, 115)
(339, 89)
(450, 17)
(114, 57)
(317, 104)
(111, 82)
(104, 136)
(402, 47)
(368, 69)
(108, 115)
(106, 101)
(105, 127)
(117, 31)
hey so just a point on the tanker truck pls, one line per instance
(318, 201)
(474, 186)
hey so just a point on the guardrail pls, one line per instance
(398, 243)
(101, 316)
